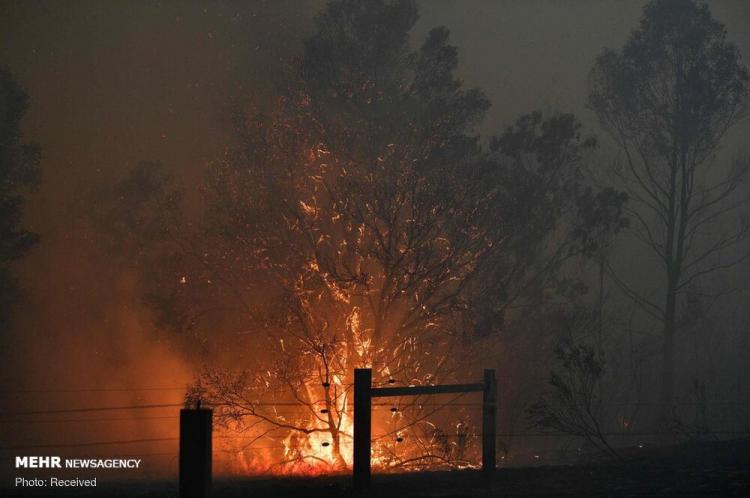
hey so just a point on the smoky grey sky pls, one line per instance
(536, 54)
(113, 83)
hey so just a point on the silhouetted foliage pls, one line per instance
(19, 170)
(573, 406)
(140, 222)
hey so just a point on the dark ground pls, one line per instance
(719, 468)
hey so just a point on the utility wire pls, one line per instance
(94, 443)
(173, 454)
(235, 452)
(558, 434)
(89, 409)
(301, 406)
(91, 389)
(104, 419)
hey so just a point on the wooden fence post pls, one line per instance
(489, 421)
(362, 427)
(195, 452)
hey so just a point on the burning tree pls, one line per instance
(365, 208)
(361, 223)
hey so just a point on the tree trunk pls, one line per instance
(666, 400)
(600, 311)
(333, 427)
(340, 462)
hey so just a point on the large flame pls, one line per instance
(312, 454)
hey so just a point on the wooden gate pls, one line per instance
(364, 393)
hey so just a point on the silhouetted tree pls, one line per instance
(19, 170)
(573, 404)
(668, 98)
